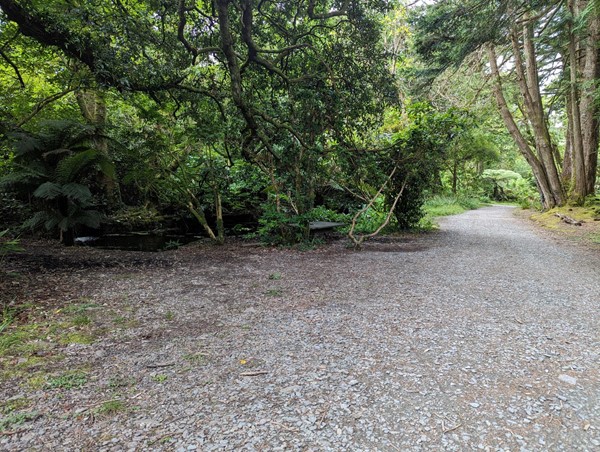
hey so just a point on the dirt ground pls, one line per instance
(483, 335)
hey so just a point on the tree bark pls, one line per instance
(579, 185)
(548, 198)
(535, 111)
(92, 105)
(588, 103)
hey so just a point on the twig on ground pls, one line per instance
(568, 219)
(159, 365)
(254, 373)
(166, 435)
(451, 429)
(285, 427)
(13, 432)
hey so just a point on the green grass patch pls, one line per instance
(196, 358)
(160, 378)
(444, 205)
(79, 308)
(19, 403)
(15, 419)
(78, 337)
(111, 407)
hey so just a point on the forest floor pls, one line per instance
(483, 335)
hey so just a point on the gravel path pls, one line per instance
(483, 336)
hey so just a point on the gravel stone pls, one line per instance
(482, 336)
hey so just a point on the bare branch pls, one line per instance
(14, 66)
(341, 12)
(181, 34)
(41, 105)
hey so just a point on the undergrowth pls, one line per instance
(444, 205)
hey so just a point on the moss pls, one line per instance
(77, 338)
(37, 381)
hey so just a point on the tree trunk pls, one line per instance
(588, 103)
(548, 197)
(567, 169)
(92, 105)
(529, 85)
(455, 177)
(579, 185)
(219, 213)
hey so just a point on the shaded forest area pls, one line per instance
(256, 118)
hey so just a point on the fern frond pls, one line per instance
(26, 144)
(56, 152)
(36, 220)
(25, 176)
(107, 167)
(69, 167)
(79, 194)
(48, 190)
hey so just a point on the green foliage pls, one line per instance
(16, 419)
(8, 245)
(69, 380)
(506, 185)
(374, 217)
(160, 378)
(56, 167)
(281, 227)
(421, 148)
(285, 227)
(443, 205)
(111, 407)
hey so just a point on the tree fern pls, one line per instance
(48, 190)
(51, 164)
(77, 193)
(68, 168)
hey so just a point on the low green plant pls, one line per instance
(373, 218)
(111, 407)
(160, 378)
(77, 337)
(17, 419)
(275, 276)
(172, 245)
(443, 205)
(285, 227)
(196, 358)
(80, 307)
(8, 317)
(8, 245)
(274, 292)
(69, 380)
(81, 320)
